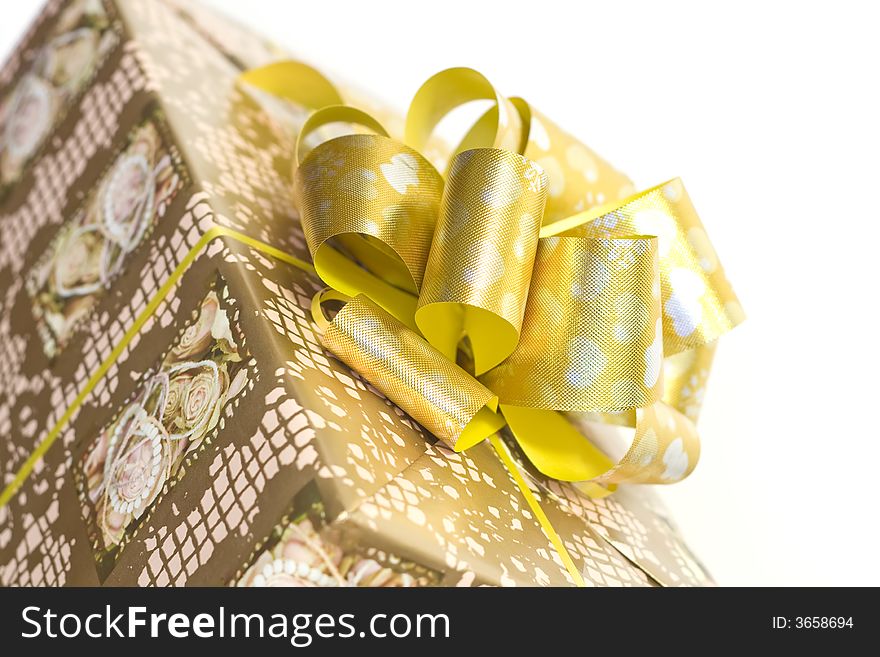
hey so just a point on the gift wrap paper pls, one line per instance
(168, 413)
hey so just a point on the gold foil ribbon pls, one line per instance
(529, 261)
(523, 263)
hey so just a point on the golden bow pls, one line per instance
(526, 286)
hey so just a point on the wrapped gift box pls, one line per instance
(167, 413)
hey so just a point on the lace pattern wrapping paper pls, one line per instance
(161, 475)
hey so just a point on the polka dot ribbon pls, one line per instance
(525, 286)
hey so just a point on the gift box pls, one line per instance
(169, 412)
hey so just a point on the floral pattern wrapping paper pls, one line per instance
(80, 36)
(91, 250)
(224, 445)
(171, 417)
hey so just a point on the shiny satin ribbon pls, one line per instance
(530, 262)
(386, 267)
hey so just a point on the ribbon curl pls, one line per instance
(526, 286)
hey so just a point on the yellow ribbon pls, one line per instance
(517, 284)
(213, 233)
(521, 263)
(149, 310)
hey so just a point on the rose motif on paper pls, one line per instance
(81, 35)
(177, 386)
(136, 468)
(138, 456)
(197, 337)
(128, 200)
(91, 249)
(200, 399)
(303, 558)
(27, 116)
(78, 264)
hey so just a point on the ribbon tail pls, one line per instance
(535, 506)
(554, 445)
(293, 81)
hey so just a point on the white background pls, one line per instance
(769, 111)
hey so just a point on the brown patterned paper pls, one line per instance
(79, 37)
(300, 553)
(171, 418)
(69, 168)
(91, 249)
(223, 445)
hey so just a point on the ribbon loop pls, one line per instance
(370, 200)
(699, 304)
(327, 115)
(293, 81)
(571, 292)
(438, 394)
(579, 178)
(499, 127)
(592, 338)
(478, 271)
